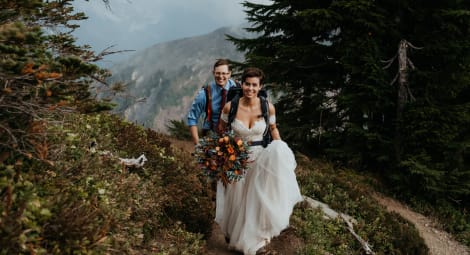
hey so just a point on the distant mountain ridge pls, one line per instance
(169, 74)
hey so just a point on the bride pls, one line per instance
(253, 210)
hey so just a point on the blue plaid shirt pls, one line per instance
(199, 104)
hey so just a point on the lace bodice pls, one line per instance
(255, 133)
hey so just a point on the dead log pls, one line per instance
(332, 214)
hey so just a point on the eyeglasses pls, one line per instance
(221, 74)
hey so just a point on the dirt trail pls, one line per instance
(216, 244)
(439, 242)
(287, 243)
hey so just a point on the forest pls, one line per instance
(372, 95)
(380, 86)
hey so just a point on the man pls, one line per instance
(217, 89)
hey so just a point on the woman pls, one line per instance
(253, 210)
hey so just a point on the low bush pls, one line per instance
(349, 193)
(73, 196)
(79, 199)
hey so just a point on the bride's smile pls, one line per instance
(251, 86)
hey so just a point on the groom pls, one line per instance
(210, 100)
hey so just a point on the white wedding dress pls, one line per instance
(253, 210)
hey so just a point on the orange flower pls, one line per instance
(232, 157)
(239, 142)
(230, 150)
(226, 139)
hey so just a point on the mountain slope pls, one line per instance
(168, 75)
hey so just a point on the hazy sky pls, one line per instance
(137, 24)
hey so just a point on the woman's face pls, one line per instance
(221, 75)
(251, 87)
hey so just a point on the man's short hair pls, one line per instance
(221, 62)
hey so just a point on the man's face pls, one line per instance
(221, 75)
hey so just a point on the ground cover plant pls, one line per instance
(81, 200)
(348, 192)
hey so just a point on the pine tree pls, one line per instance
(328, 58)
(43, 75)
(41, 68)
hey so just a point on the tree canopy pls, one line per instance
(339, 96)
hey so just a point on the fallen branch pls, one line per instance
(134, 162)
(332, 214)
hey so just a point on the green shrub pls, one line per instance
(349, 193)
(179, 129)
(81, 200)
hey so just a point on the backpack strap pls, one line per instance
(265, 113)
(207, 89)
(233, 110)
(234, 107)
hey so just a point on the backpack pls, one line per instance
(234, 95)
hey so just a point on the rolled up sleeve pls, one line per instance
(197, 108)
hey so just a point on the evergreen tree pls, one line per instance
(328, 60)
(43, 74)
(41, 68)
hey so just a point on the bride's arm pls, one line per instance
(272, 123)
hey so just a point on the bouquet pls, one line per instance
(222, 157)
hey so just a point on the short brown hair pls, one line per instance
(222, 62)
(253, 72)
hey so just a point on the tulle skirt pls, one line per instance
(252, 211)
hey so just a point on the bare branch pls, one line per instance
(411, 63)
(394, 79)
(414, 47)
(106, 52)
(389, 62)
